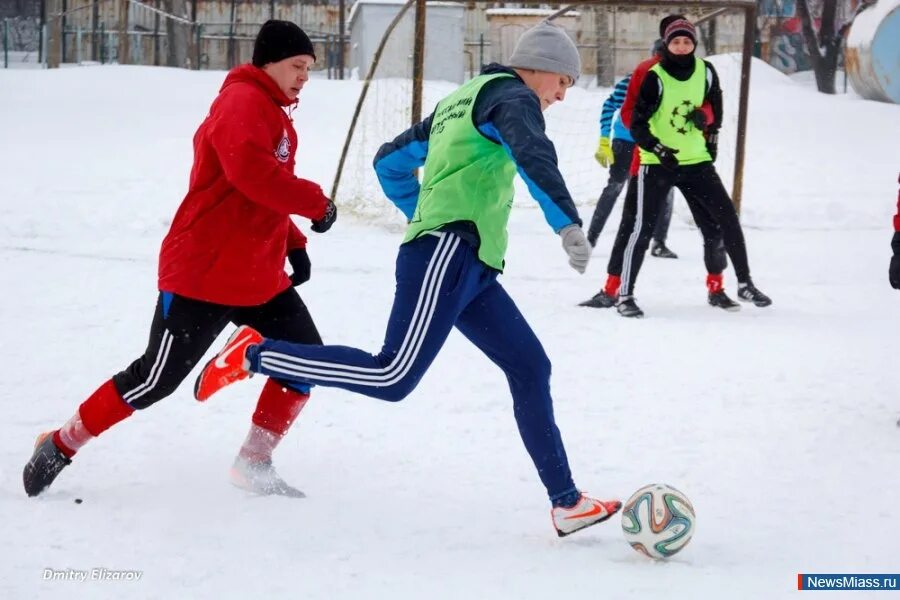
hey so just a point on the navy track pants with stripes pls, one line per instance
(441, 284)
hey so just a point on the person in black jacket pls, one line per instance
(677, 147)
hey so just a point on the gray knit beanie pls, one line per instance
(547, 47)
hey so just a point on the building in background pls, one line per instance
(445, 58)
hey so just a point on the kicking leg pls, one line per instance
(493, 323)
(436, 276)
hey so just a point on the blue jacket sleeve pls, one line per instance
(613, 103)
(508, 113)
(396, 162)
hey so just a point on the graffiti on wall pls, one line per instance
(784, 46)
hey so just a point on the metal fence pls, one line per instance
(21, 41)
(197, 34)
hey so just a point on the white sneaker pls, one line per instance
(586, 512)
(260, 478)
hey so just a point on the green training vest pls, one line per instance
(670, 123)
(467, 177)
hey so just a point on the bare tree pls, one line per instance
(825, 49)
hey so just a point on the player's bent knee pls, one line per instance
(397, 391)
(534, 369)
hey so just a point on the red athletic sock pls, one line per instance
(715, 283)
(612, 285)
(277, 407)
(276, 410)
(103, 409)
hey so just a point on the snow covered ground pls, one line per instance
(779, 424)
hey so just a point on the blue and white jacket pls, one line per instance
(611, 107)
(506, 112)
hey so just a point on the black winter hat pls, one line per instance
(278, 40)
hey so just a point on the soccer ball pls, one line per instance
(658, 520)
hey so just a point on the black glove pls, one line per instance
(324, 224)
(712, 145)
(894, 271)
(666, 156)
(299, 260)
(698, 118)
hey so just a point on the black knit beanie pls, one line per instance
(278, 40)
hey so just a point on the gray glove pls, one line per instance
(576, 246)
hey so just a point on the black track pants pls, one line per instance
(709, 204)
(183, 330)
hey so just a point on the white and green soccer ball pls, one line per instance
(658, 520)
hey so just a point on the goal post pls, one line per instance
(391, 99)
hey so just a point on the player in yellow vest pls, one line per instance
(677, 147)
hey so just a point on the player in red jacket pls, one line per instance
(894, 271)
(223, 261)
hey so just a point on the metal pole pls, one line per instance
(480, 51)
(95, 16)
(342, 12)
(5, 43)
(156, 36)
(231, 35)
(271, 9)
(418, 61)
(737, 187)
(199, 40)
(62, 31)
(196, 31)
(43, 18)
(102, 43)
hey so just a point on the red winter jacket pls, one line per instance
(228, 240)
(897, 216)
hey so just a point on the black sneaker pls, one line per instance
(659, 250)
(748, 293)
(721, 300)
(600, 300)
(44, 466)
(627, 307)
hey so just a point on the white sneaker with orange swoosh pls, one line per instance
(229, 365)
(586, 512)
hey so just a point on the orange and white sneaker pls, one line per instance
(229, 365)
(586, 512)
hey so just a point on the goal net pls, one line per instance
(461, 37)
